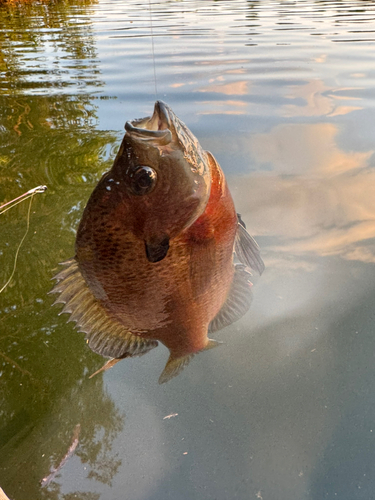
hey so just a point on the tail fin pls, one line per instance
(175, 366)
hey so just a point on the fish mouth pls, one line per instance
(155, 128)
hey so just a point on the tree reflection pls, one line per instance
(39, 431)
(54, 140)
(63, 27)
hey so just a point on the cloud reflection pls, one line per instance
(317, 200)
(320, 101)
(232, 88)
(229, 107)
(307, 148)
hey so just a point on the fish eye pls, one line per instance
(143, 180)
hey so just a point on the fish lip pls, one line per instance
(156, 128)
(162, 110)
(162, 137)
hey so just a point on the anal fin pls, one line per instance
(238, 300)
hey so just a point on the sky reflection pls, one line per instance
(315, 198)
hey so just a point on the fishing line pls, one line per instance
(153, 49)
(23, 197)
(30, 194)
(18, 202)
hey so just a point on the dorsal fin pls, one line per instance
(105, 335)
(246, 248)
(238, 300)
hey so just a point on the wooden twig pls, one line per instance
(46, 480)
(3, 495)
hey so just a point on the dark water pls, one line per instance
(283, 94)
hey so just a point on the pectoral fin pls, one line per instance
(238, 300)
(247, 249)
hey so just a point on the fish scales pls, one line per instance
(156, 249)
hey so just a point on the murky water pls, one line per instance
(283, 94)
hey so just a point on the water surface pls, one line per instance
(283, 94)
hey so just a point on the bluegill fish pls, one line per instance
(161, 254)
